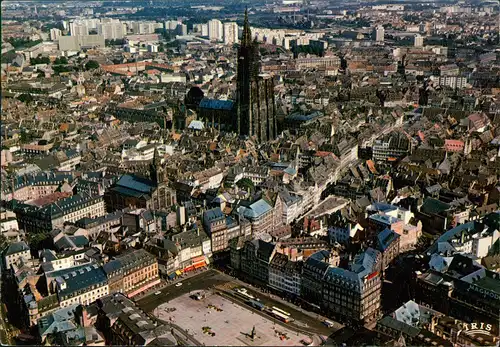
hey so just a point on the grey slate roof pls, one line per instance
(16, 247)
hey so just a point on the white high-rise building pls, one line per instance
(419, 41)
(54, 34)
(78, 29)
(111, 31)
(171, 25)
(380, 34)
(215, 30)
(230, 33)
(143, 27)
(204, 30)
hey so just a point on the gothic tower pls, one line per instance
(155, 170)
(256, 108)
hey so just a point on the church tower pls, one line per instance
(256, 108)
(155, 170)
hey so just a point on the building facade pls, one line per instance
(44, 219)
(132, 273)
(230, 33)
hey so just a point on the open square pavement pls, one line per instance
(232, 325)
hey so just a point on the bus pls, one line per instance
(280, 316)
(256, 304)
(281, 311)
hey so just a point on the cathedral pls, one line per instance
(255, 104)
(135, 191)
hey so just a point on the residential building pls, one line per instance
(380, 34)
(33, 218)
(285, 275)
(141, 220)
(143, 28)
(215, 30)
(15, 252)
(55, 34)
(230, 33)
(418, 41)
(214, 222)
(95, 226)
(132, 273)
(313, 272)
(78, 29)
(474, 238)
(256, 257)
(122, 322)
(387, 244)
(260, 214)
(111, 30)
(354, 294)
(80, 285)
(392, 146)
(69, 326)
(76, 43)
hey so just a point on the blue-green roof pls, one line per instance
(82, 279)
(16, 247)
(136, 183)
(255, 210)
(215, 104)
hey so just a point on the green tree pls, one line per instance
(61, 61)
(246, 184)
(26, 98)
(91, 65)
(39, 241)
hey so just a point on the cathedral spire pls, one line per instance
(246, 39)
(155, 171)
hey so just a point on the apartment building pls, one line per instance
(215, 30)
(394, 145)
(285, 275)
(46, 218)
(15, 252)
(132, 272)
(82, 286)
(353, 294)
(230, 33)
(95, 226)
(260, 214)
(111, 30)
(256, 257)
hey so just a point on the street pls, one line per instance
(202, 281)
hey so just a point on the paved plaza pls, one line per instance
(232, 325)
